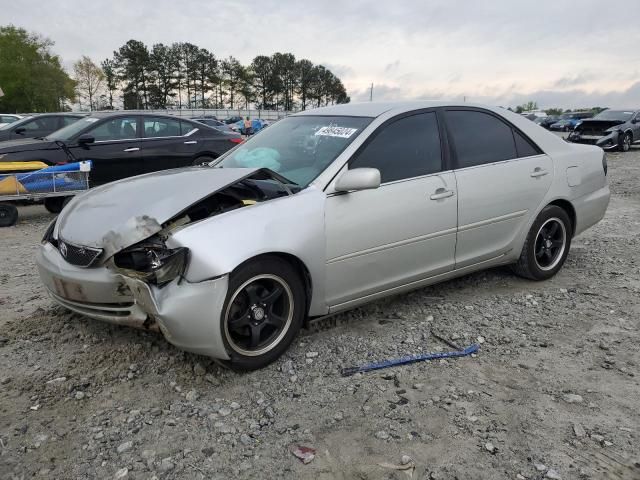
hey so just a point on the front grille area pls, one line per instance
(78, 255)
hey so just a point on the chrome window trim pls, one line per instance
(498, 162)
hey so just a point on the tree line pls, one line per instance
(31, 76)
(180, 75)
(183, 75)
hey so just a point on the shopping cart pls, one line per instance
(53, 185)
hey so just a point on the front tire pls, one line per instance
(263, 312)
(625, 144)
(547, 245)
(55, 204)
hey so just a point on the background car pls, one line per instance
(6, 118)
(611, 129)
(36, 126)
(568, 121)
(124, 145)
(546, 122)
(326, 210)
(234, 119)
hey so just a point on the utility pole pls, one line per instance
(371, 93)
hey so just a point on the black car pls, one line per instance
(123, 145)
(546, 122)
(610, 129)
(37, 125)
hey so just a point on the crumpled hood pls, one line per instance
(119, 214)
(599, 124)
(26, 145)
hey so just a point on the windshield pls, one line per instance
(298, 148)
(14, 123)
(622, 115)
(67, 133)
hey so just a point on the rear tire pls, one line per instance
(55, 204)
(625, 144)
(8, 215)
(263, 312)
(547, 245)
(200, 161)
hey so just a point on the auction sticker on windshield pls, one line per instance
(342, 132)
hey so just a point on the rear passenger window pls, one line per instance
(408, 147)
(161, 127)
(479, 138)
(523, 146)
(186, 127)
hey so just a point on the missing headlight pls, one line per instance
(152, 263)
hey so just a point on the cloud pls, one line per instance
(494, 49)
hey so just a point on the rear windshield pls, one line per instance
(298, 148)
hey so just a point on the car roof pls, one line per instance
(375, 109)
(127, 113)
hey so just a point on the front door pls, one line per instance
(502, 178)
(403, 231)
(115, 153)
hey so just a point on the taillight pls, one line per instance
(236, 140)
(604, 163)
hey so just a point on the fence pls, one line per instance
(220, 113)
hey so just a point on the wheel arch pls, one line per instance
(296, 263)
(570, 209)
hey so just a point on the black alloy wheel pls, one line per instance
(263, 312)
(550, 243)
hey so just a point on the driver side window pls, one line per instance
(123, 128)
(406, 148)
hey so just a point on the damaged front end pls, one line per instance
(153, 262)
(604, 134)
(138, 275)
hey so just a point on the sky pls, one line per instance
(557, 53)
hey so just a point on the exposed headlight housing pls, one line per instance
(155, 265)
(48, 233)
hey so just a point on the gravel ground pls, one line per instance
(553, 393)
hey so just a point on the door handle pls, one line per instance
(191, 142)
(441, 193)
(539, 172)
(132, 149)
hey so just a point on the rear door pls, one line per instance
(167, 143)
(115, 153)
(502, 178)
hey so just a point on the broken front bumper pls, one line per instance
(188, 314)
(606, 142)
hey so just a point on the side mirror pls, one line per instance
(358, 179)
(85, 139)
(19, 130)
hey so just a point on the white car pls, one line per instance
(6, 119)
(323, 211)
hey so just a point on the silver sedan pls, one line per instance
(323, 211)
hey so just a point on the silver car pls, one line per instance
(323, 211)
